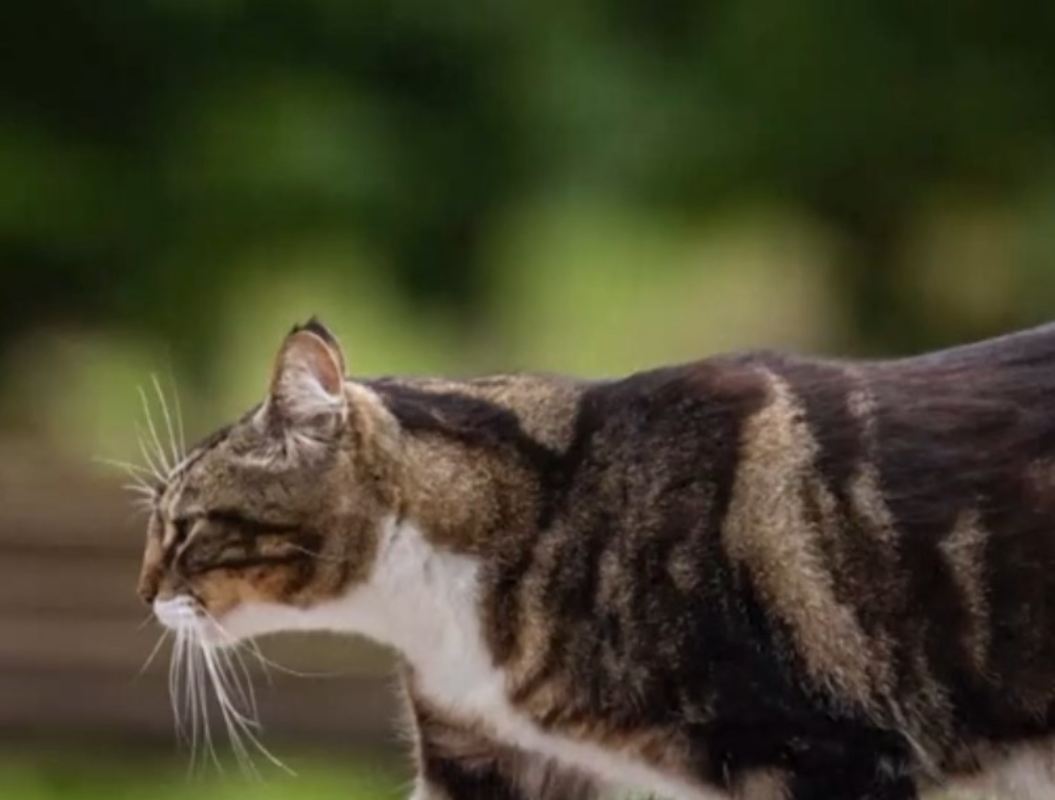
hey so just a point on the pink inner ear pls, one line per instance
(306, 352)
(325, 367)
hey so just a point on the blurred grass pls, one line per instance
(62, 778)
(106, 777)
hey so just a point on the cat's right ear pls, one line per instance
(307, 384)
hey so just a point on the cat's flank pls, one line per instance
(756, 576)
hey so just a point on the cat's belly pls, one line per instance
(1026, 775)
(474, 690)
(455, 670)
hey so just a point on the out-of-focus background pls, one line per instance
(585, 187)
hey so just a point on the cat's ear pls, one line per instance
(308, 379)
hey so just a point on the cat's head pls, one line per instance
(281, 510)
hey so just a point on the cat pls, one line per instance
(758, 576)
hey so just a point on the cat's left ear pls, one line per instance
(308, 380)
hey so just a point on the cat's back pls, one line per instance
(954, 420)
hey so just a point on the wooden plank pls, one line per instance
(49, 501)
(122, 646)
(40, 702)
(51, 580)
(72, 642)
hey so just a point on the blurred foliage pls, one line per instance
(592, 186)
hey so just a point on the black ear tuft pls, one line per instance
(309, 372)
(314, 325)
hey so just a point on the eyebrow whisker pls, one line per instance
(140, 488)
(158, 448)
(178, 412)
(174, 449)
(136, 471)
(157, 472)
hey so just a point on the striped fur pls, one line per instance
(762, 576)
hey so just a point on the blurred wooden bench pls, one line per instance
(73, 638)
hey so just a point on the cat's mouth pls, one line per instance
(177, 613)
(183, 614)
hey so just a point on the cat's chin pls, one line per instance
(183, 614)
(251, 619)
(179, 613)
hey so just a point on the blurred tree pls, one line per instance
(144, 145)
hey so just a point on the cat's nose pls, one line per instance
(147, 594)
(148, 588)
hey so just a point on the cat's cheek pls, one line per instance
(225, 592)
(269, 585)
(219, 591)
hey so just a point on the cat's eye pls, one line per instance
(181, 527)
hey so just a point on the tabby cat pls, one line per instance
(757, 576)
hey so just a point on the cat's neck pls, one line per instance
(421, 600)
(474, 454)
(473, 458)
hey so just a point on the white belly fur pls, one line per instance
(472, 688)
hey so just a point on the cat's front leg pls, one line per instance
(458, 761)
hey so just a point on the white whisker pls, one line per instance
(266, 663)
(240, 678)
(143, 504)
(210, 746)
(202, 719)
(190, 692)
(179, 419)
(197, 665)
(155, 470)
(174, 448)
(153, 654)
(228, 688)
(253, 649)
(229, 716)
(238, 647)
(135, 471)
(191, 705)
(142, 482)
(158, 448)
(175, 667)
(245, 726)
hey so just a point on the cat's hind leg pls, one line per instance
(863, 779)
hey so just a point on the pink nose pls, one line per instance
(148, 587)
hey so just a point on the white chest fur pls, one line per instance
(425, 603)
(432, 615)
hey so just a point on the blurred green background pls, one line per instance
(589, 187)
